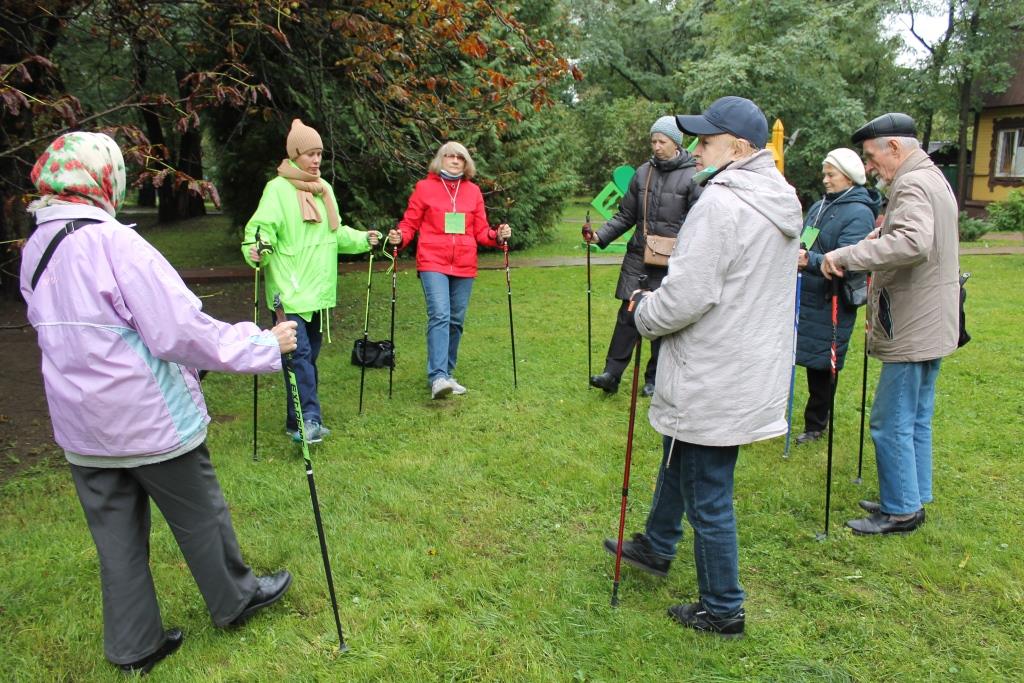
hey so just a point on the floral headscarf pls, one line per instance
(80, 168)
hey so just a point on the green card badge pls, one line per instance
(455, 223)
(808, 236)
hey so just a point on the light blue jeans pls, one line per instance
(901, 427)
(698, 480)
(447, 300)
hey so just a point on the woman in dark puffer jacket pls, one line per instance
(662, 191)
(845, 215)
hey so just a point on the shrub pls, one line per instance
(972, 229)
(1008, 214)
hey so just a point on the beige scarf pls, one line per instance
(306, 185)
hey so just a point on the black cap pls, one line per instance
(736, 115)
(892, 125)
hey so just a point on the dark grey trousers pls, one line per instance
(116, 505)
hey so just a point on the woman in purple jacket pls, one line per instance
(120, 336)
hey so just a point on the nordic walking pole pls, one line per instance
(863, 391)
(629, 457)
(590, 362)
(394, 289)
(831, 404)
(293, 387)
(366, 332)
(262, 248)
(511, 326)
(792, 374)
(255, 378)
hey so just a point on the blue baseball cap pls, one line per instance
(736, 115)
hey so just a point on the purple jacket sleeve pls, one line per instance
(168, 317)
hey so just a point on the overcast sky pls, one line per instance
(929, 28)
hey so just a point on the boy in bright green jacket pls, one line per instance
(296, 236)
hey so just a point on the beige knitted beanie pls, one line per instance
(301, 139)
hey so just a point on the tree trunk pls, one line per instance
(961, 152)
(177, 202)
(966, 85)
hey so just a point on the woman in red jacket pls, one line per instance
(446, 211)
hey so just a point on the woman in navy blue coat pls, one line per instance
(845, 215)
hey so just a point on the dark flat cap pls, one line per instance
(894, 125)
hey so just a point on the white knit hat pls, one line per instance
(666, 125)
(847, 161)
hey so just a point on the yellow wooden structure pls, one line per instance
(776, 146)
(985, 184)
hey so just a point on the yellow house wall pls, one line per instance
(980, 191)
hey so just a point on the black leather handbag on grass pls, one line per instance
(375, 354)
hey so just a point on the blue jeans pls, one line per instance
(698, 480)
(447, 299)
(901, 427)
(308, 337)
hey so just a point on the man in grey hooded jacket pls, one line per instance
(724, 314)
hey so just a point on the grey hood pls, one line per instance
(756, 182)
(724, 312)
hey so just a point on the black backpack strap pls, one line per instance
(44, 260)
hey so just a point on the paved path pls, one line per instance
(239, 273)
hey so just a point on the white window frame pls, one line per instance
(1009, 141)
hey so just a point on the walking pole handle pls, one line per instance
(279, 312)
(640, 285)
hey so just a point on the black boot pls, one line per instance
(172, 641)
(638, 553)
(698, 617)
(269, 589)
(606, 381)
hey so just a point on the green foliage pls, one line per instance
(632, 49)
(972, 229)
(612, 133)
(386, 87)
(1008, 214)
(794, 65)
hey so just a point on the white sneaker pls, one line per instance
(457, 389)
(440, 387)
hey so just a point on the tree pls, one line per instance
(969, 60)
(818, 66)
(386, 84)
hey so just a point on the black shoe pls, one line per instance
(638, 553)
(808, 437)
(880, 523)
(172, 641)
(606, 381)
(870, 506)
(648, 389)
(269, 589)
(696, 616)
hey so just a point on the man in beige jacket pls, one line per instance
(913, 303)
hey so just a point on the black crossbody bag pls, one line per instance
(44, 260)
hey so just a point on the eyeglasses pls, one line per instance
(454, 156)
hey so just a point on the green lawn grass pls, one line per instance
(465, 534)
